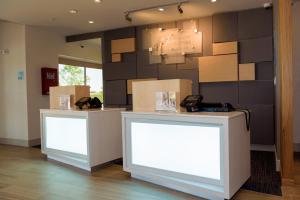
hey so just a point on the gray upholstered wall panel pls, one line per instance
(106, 50)
(116, 92)
(225, 92)
(225, 27)
(120, 70)
(167, 71)
(255, 23)
(115, 71)
(205, 26)
(190, 74)
(190, 63)
(112, 35)
(144, 69)
(256, 50)
(129, 58)
(129, 99)
(262, 124)
(264, 71)
(256, 92)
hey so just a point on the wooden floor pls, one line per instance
(26, 175)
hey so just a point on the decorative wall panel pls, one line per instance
(225, 27)
(256, 50)
(264, 71)
(225, 48)
(123, 45)
(247, 72)
(262, 124)
(173, 43)
(116, 92)
(256, 92)
(224, 92)
(116, 57)
(218, 68)
(255, 23)
(253, 31)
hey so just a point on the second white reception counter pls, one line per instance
(204, 154)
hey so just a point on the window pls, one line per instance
(76, 75)
(94, 79)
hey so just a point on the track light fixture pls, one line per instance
(179, 8)
(127, 17)
(160, 8)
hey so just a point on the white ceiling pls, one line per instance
(110, 13)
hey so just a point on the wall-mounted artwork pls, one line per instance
(172, 45)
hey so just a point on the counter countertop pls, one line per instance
(226, 115)
(81, 111)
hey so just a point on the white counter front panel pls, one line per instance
(203, 154)
(181, 148)
(66, 134)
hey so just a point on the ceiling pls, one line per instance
(109, 14)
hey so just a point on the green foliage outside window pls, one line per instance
(98, 94)
(70, 75)
(73, 75)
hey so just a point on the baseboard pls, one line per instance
(21, 143)
(259, 147)
(14, 142)
(296, 147)
(34, 142)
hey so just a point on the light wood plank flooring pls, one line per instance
(26, 175)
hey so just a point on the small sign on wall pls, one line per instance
(21, 75)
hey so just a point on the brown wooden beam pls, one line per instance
(285, 45)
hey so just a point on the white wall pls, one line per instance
(42, 49)
(31, 48)
(13, 101)
(296, 51)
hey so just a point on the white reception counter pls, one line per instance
(83, 139)
(204, 154)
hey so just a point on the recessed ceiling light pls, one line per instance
(161, 9)
(97, 1)
(73, 11)
(91, 22)
(213, 1)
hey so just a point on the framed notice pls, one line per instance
(65, 102)
(166, 101)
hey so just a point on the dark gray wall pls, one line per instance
(254, 31)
